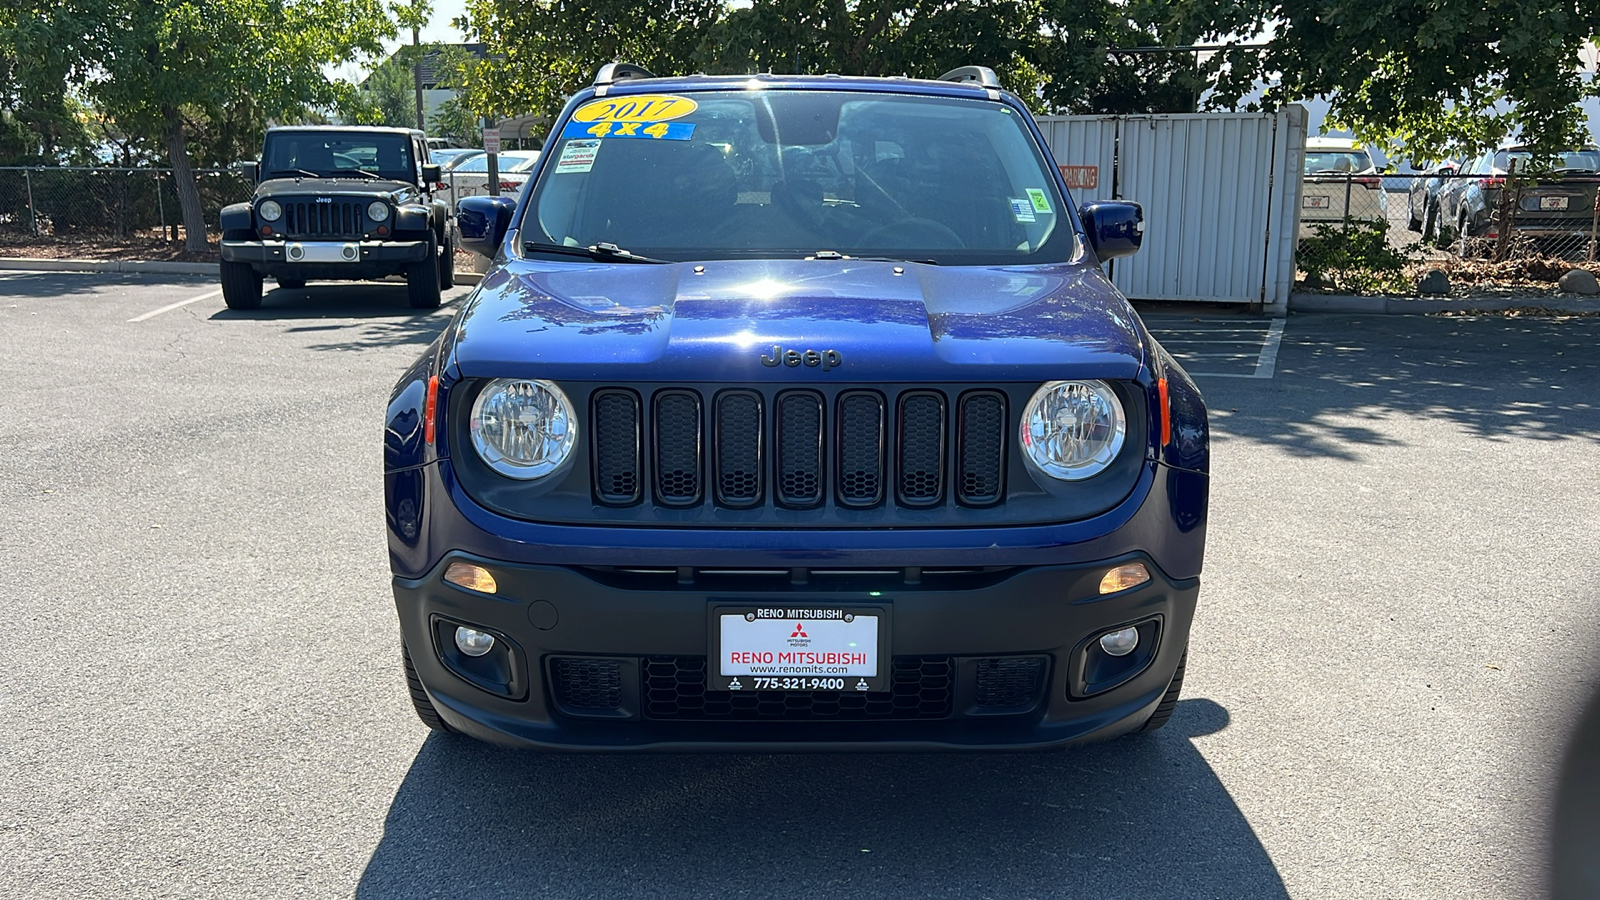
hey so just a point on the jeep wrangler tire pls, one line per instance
(1169, 700)
(447, 260)
(419, 697)
(241, 286)
(423, 278)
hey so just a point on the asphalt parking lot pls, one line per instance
(201, 683)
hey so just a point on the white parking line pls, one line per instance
(1266, 360)
(172, 306)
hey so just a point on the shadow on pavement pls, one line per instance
(1497, 378)
(366, 315)
(1136, 817)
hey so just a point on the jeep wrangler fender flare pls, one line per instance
(238, 217)
(414, 218)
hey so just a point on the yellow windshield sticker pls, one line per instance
(641, 108)
(1041, 203)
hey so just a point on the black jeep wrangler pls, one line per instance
(343, 203)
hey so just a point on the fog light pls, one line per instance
(1123, 577)
(471, 577)
(477, 643)
(1115, 643)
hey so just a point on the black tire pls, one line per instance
(241, 286)
(1169, 700)
(1430, 221)
(293, 284)
(423, 278)
(447, 261)
(419, 697)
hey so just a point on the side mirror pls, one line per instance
(483, 222)
(431, 173)
(1115, 227)
(250, 169)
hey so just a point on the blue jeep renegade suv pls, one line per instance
(795, 412)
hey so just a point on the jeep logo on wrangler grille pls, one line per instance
(827, 359)
(324, 199)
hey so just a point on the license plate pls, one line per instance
(322, 252)
(1316, 203)
(798, 648)
(1552, 202)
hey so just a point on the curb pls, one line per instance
(141, 267)
(1370, 305)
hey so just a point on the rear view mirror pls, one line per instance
(483, 223)
(1115, 227)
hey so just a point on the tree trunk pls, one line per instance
(194, 216)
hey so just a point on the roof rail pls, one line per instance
(611, 73)
(983, 76)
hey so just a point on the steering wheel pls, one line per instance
(912, 233)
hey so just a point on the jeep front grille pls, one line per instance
(738, 448)
(310, 220)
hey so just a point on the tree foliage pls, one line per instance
(1430, 76)
(205, 74)
(1053, 50)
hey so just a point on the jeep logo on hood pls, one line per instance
(827, 359)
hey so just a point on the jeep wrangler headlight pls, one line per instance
(1072, 430)
(270, 211)
(378, 211)
(523, 429)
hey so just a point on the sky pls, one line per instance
(438, 31)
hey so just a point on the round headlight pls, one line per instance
(523, 429)
(1072, 430)
(378, 211)
(270, 211)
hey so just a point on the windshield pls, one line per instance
(335, 154)
(1572, 160)
(1324, 162)
(509, 162)
(740, 174)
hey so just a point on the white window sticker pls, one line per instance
(1022, 210)
(577, 156)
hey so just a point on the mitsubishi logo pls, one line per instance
(799, 631)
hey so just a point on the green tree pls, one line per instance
(1053, 50)
(41, 120)
(187, 71)
(387, 97)
(1430, 76)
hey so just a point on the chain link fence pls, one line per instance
(47, 203)
(1470, 217)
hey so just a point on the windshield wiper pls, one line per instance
(301, 172)
(373, 175)
(602, 251)
(834, 254)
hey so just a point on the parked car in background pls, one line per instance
(1422, 198)
(1340, 179)
(1558, 203)
(470, 178)
(345, 203)
(449, 157)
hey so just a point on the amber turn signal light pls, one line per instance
(1121, 578)
(471, 577)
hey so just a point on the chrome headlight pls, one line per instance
(270, 211)
(378, 211)
(523, 429)
(1072, 430)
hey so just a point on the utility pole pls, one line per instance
(416, 72)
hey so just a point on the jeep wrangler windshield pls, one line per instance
(740, 174)
(320, 154)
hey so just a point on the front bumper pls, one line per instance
(376, 258)
(542, 613)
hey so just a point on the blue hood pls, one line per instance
(634, 322)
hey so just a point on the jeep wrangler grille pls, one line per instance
(866, 448)
(340, 219)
